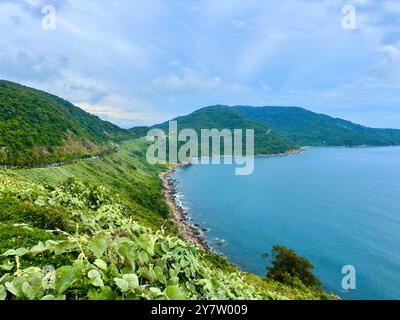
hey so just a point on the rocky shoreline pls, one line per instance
(186, 229)
(283, 154)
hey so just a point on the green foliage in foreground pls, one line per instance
(290, 268)
(110, 256)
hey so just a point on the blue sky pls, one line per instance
(146, 61)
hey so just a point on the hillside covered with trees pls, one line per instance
(266, 141)
(308, 128)
(37, 128)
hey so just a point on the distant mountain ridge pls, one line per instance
(220, 117)
(288, 128)
(38, 128)
(308, 128)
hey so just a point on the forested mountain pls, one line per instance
(307, 128)
(38, 128)
(138, 132)
(222, 117)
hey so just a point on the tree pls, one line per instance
(290, 268)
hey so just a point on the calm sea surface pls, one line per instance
(334, 206)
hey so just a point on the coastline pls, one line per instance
(186, 230)
(284, 154)
(179, 215)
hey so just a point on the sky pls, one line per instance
(142, 62)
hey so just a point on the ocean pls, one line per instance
(334, 206)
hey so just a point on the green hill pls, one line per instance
(38, 128)
(222, 117)
(307, 128)
(138, 132)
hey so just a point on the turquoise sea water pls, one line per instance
(335, 206)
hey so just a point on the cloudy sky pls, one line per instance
(137, 62)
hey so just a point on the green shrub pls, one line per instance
(290, 268)
(47, 218)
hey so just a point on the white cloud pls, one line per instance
(388, 69)
(21, 65)
(124, 112)
(187, 80)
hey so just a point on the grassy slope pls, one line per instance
(40, 128)
(307, 128)
(127, 174)
(221, 117)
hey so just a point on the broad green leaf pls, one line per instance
(21, 252)
(165, 247)
(10, 252)
(150, 274)
(97, 282)
(172, 243)
(132, 280)
(146, 244)
(39, 248)
(94, 274)
(159, 274)
(98, 246)
(122, 284)
(125, 252)
(95, 277)
(174, 272)
(143, 257)
(101, 264)
(64, 246)
(173, 281)
(156, 291)
(28, 291)
(175, 293)
(67, 277)
(10, 287)
(3, 292)
(49, 297)
(184, 263)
